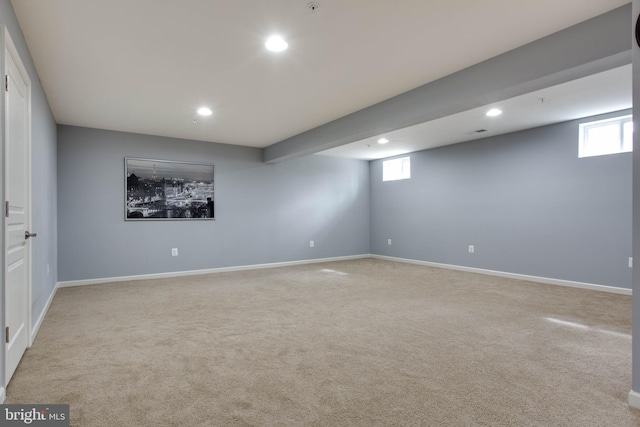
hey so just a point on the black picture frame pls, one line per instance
(168, 190)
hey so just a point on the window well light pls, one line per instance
(494, 112)
(383, 141)
(204, 111)
(276, 44)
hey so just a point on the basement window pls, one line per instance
(609, 136)
(395, 169)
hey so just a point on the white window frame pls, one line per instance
(396, 169)
(585, 146)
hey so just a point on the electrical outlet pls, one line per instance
(389, 242)
(48, 269)
(472, 249)
(174, 251)
(311, 244)
(630, 262)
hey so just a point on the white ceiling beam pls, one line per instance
(596, 45)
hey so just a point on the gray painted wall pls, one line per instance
(43, 177)
(264, 213)
(524, 200)
(636, 208)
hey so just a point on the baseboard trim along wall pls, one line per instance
(546, 280)
(71, 283)
(634, 399)
(36, 327)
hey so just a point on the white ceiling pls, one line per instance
(596, 94)
(145, 66)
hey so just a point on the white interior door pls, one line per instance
(17, 197)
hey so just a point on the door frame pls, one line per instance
(8, 47)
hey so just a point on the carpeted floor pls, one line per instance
(352, 343)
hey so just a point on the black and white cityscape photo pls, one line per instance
(161, 189)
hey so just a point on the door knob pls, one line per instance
(27, 235)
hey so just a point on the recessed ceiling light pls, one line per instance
(276, 44)
(494, 112)
(383, 141)
(204, 111)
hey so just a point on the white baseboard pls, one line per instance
(36, 327)
(537, 279)
(3, 395)
(71, 283)
(634, 399)
(546, 280)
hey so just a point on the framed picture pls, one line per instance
(167, 190)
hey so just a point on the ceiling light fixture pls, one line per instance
(204, 111)
(494, 112)
(276, 44)
(383, 141)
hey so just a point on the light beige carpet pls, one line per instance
(353, 343)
